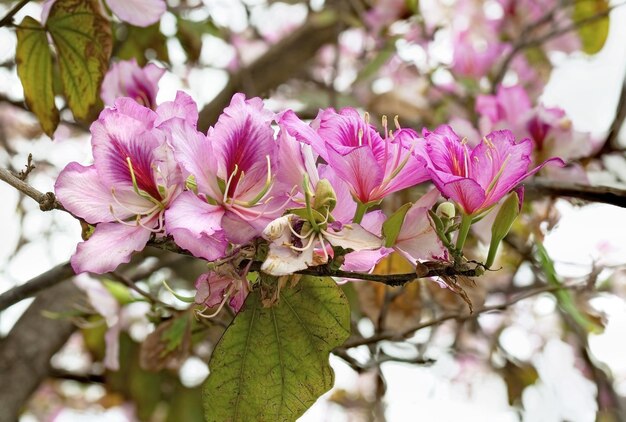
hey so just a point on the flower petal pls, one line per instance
(79, 190)
(110, 245)
(354, 237)
(195, 154)
(138, 12)
(183, 107)
(465, 192)
(359, 169)
(196, 226)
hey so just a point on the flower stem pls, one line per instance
(466, 222)
(361, 208)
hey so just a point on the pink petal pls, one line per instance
(211, 288)
(183, 107)
(418, 240)
(304, 133)
(110, 245)
(364, 261)
(196, 226)
(346, 207)
(126, 79)
(465, 192)
(359, 169)
(79, 190)
(243, 134)
(195, 154)
(138, 12)
(117, 137)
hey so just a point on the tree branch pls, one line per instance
(25, 353)
(43, 281)
(393, 336)
(8, 18)
(47, 201)
(603, 194)
(281, 62)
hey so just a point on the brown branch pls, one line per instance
(43, 281)
(616, 125)
(47, 201)
(8, 18)
(281, 62)
(603, 194)
(26, 351)
(394, 336)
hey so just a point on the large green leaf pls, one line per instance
(593, 32)
(272, 363)
(82, 36)
(34, 67)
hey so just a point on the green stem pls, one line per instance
(361, 208)
(466, 222)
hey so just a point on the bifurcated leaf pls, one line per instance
(83, 40)
(272, 363)
(34, 67)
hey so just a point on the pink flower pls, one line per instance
(475, 58)
(372, 166)
(135, 12)
(548, 127)
(125, 192)
(417, 239)
(126, 79)
(477, 178)
(231, 170)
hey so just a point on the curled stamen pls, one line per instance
(323, 246)
(266, 187)
(299, 236)
(360, 136)
(396, 122)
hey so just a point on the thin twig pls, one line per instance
(603, 194)
(8, 18)
(394, 336)
(47, 201)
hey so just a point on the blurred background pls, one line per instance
(553, 356)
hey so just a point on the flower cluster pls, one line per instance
(308, 191)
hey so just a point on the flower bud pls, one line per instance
(325, 196)
(446, 210)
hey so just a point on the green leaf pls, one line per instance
(120, 292)
(142, 44)
(564, 297)
(392, 226)
(593, 35)
(34, 67)
(504, 220)
(83, 40)
(272, 363)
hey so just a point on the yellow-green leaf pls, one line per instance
(83, 40)
(34, 67)
(272, 363)
(594, 33)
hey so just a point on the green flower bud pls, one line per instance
(446, 210)
(325, 196)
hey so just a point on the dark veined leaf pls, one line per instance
(34, 67)
(83, 40)
(594, 33)
(272, 363)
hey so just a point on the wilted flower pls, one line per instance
(215, 290)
